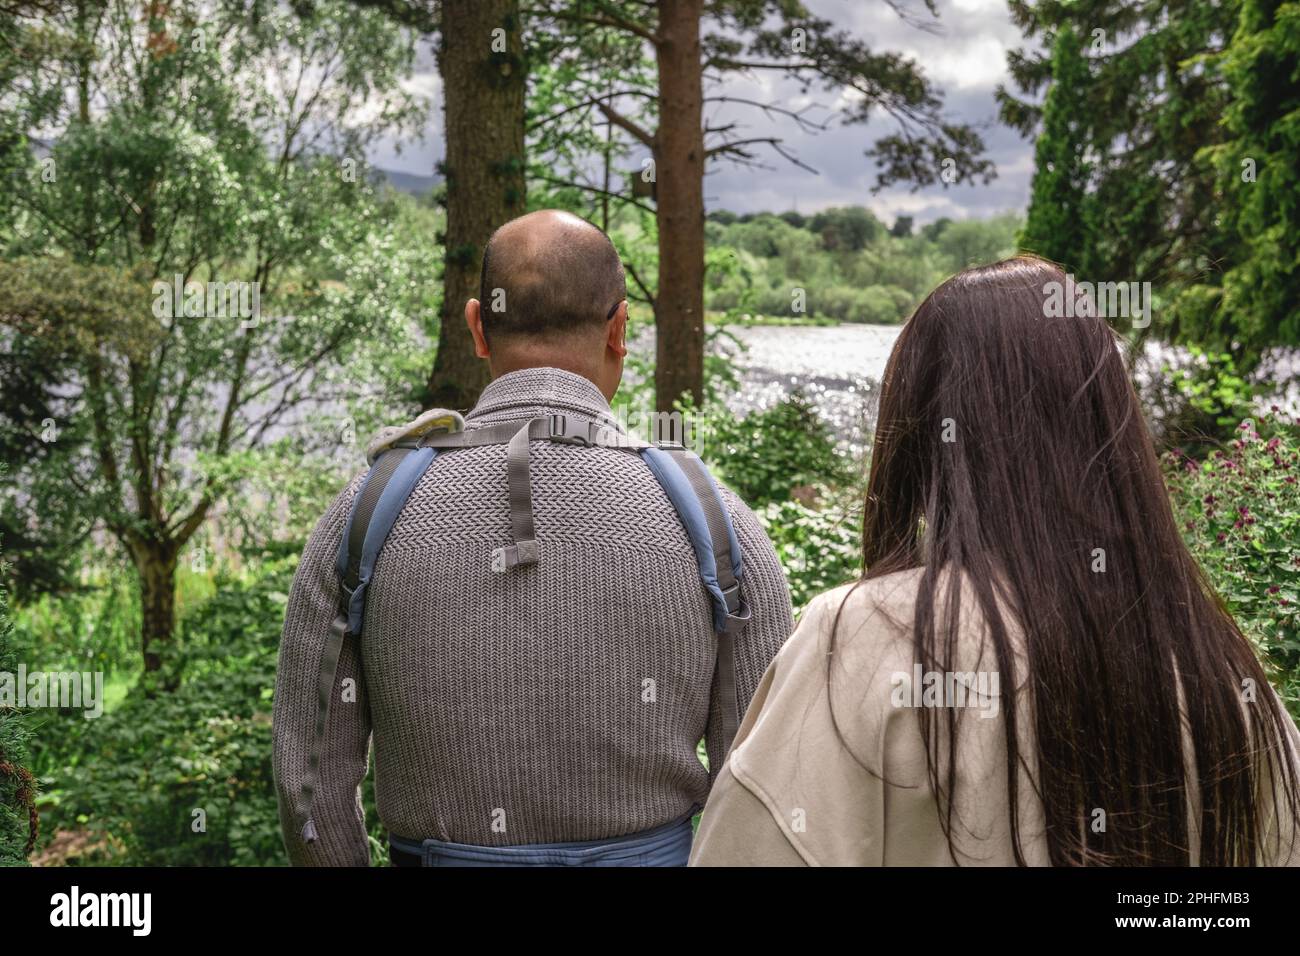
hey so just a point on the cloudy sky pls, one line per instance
(962, 51)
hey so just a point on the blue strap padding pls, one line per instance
(678, 488)
(341, 562)
(737, 557)
(389, 506)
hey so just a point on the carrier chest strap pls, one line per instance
(520, 485)
(561, 429)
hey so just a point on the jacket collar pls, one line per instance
(535, 392)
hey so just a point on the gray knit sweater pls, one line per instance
(561, 701)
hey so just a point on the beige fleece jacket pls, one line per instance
(792, 794)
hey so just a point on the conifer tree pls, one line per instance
(1058, 224)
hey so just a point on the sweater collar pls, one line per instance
(534, 392)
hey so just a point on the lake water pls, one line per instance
(839, 368)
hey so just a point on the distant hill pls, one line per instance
(411, 183)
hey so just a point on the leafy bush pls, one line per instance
(783, 462)
(819, 548)
(1195, 400)
(771, 455)
(1240, 514)
(182, 777)
(17, 791)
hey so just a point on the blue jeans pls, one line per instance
(669, 845)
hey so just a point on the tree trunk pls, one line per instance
(156, 568)
(679, 176)
(483, 76)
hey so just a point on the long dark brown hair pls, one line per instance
(1011, 454)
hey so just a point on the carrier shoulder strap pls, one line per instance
(699, 504)
(375, 509)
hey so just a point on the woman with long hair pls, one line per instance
(1032, 669)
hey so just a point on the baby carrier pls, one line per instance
(396, 468)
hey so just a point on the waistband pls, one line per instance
(667, 845)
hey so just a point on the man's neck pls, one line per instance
(567, 363)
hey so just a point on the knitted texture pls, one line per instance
(557, 702)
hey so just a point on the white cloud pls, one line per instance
(975, 62)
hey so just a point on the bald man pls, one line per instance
(548, 715)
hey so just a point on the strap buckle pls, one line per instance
(738, 613)
(558, 431)
(513, 555)
(345, 599)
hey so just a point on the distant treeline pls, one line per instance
(841, 263)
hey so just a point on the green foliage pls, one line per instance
(841, 264)
(784, 463)
(1215, 389)
(819, 547)
(17, 791)
(1171, 158)
(134, 779)
(850, 228)
(1058, 223)
(1240, 515)
(770, 455)
(195, 167)
(1257, 167)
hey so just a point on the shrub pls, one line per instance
(783, 462)
(139, 778)
(770, 455)
(819, 548)
(1239, 510)
(17, 790)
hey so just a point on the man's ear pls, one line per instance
(474, 319)
(616, 331)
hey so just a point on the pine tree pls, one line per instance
(1258, 303)
(1058, 225)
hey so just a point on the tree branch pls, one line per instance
(613, 19)
(621, 121)
(646, 295)
(569, 184)
(546, 121)
(734, 148)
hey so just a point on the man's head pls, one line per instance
(552, 293)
